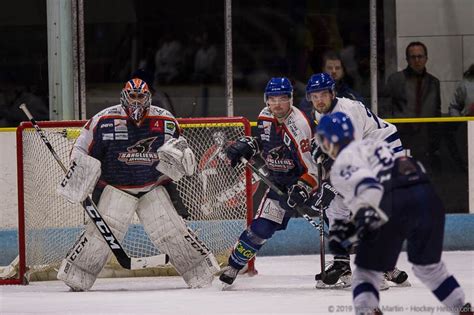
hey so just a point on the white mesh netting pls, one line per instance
(214, 199)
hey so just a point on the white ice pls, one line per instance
(284, 285)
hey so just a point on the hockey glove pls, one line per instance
(345, 235)
(367, 223)
(245, 147)
(320, 157)
(325, 196)
(298, 194)
(342, 237)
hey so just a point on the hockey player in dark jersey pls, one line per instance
(123, 157)
(392, 200)
(283, 142)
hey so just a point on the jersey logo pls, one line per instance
(291, 125)
(287, 140)
(139, 153)
(107, 136)
(170, 127)
(276, 162)
(120, 125)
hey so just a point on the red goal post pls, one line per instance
(218, 198)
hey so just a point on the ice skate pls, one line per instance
(466, 309)
(338, 275)
(397, 277)
(228, 276)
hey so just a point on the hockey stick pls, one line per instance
(124, 260)
(279, 192)
(301, 211)
(322, 245)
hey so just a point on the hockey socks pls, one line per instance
(247, 246)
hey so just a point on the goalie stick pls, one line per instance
(89, 206)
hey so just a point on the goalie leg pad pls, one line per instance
(90, 253)
(176, 159)
(168, 231)
(81, 178)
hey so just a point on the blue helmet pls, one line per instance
(320, 82)
(278, 86)
(337, 128)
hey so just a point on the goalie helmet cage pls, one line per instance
(218, 198)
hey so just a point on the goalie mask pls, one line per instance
(136, 99)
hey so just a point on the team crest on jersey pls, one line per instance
(275, 160)
(139, 153)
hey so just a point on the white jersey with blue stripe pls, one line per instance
(356, 169)
(367, 125)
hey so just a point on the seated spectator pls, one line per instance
(413, 91)
(204, 60)
(168, 60)
(463, 99)
(333, 65)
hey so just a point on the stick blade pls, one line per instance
(148, 262)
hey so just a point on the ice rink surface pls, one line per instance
(284, 285)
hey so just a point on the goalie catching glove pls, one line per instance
(176, 159)
(245, 147)
(81, 178)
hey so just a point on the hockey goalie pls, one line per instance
(124, 157)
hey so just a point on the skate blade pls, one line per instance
(225, 286)
(342, 283)
(404, 284)
(384, 285)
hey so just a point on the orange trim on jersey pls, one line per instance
(296, 145)
(267, 119)
(309, 180)
(306, 176)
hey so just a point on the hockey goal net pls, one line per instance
(217, 200)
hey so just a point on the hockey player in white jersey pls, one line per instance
(320, 91)
(392, 200)
(124, 156)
